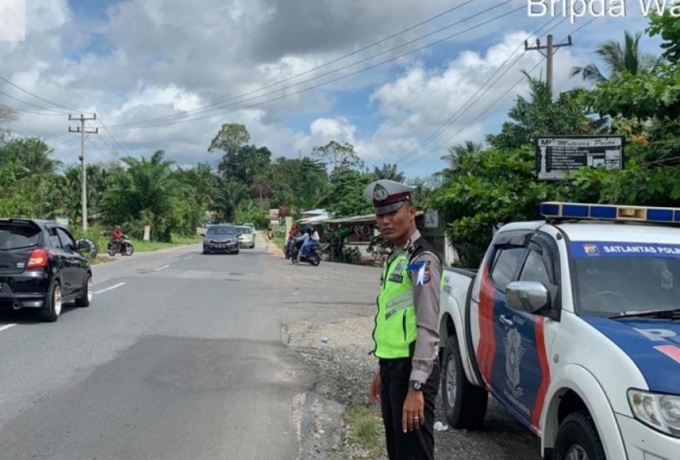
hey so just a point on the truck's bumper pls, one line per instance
(643, 443)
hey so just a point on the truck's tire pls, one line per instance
(464, 404)
(578, 434)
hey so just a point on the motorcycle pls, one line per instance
(314, 256)
(123, 247)
(290, 247)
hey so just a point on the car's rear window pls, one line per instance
(221, 230)
(245, 229)
(18, 236)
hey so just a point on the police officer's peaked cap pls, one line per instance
(387, 195)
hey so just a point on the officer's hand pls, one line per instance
(413, 414)
(374, 393)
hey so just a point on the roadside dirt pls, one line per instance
(328, 314)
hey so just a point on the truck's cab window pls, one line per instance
(505, 266)
(535, 269)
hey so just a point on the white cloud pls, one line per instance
(424, 99)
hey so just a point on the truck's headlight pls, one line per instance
(659, 411)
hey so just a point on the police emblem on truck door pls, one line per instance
(513, 358)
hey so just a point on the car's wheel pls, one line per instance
(52, 309)
(464, 403)
(578, 439)
(86, 298)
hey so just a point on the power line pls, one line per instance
(36, 96)
(488, 108)
(31, 104)
(327, 82)
(101, 122)
(32, 112)
(472, 100)
(417, 159)
(326, 64)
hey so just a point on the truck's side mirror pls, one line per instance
(527, 296)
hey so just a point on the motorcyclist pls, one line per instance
(116, 236)
(292, 235)
(308, 242)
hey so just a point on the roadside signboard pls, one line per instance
(557, 155)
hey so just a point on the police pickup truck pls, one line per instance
(572, 323)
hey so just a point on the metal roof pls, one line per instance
(365, 219)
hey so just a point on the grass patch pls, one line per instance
(280, 241)
(365, 429)
(148, 246)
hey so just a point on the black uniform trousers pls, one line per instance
(419, 443)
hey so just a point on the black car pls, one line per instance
(42, 267)
(221, 238)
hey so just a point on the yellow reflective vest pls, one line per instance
(395, 321)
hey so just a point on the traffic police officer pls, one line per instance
(406, 333)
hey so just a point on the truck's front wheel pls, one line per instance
(578, 438)
(464, 403)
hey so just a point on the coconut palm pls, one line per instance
(454, 159)
(388, 172)
(618, 58)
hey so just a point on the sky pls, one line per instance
(400, 80)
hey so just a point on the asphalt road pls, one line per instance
(178, 357)
(184, 356)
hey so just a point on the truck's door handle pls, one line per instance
(505, 320)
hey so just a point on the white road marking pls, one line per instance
(109, 288)
(4, 328)
(161, 268)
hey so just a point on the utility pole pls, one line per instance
(551, 49)
(83, 186)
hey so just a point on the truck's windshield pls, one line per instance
(611, 278)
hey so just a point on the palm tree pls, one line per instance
(454, 159)
(389, 172)
(230, 195)
(619, 58)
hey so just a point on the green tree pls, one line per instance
(33, 154)
(230, 138)
(145, 193)
(339, 157)
(667, 26)
(619, 58)
(456, 155)
(345, 196)
(541, 115)
(231, 195)
(245, 163)
(6, 116)
(494, 187)
(389, 172)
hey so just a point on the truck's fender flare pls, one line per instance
(579, 380)
(469, 346)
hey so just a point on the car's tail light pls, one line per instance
(38, 259)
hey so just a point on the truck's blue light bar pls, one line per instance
(559, 210)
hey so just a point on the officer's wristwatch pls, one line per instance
(416, 385)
